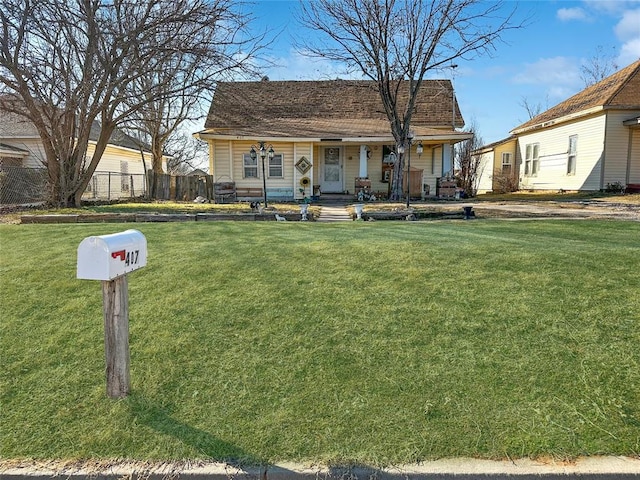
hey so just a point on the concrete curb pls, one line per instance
(590, 468)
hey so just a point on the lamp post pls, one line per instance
(263, 154)
(410, 136)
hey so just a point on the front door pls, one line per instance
(331, 175)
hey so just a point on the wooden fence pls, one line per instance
(182, 188)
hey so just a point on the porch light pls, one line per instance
(264, 153)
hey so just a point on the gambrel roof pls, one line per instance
(620, 90)
(324, 109)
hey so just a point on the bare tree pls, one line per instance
(69, 65)
(469, 166)
(532, 109)
(186, 153)
(177, 88)
(598, 67)
(389, 41)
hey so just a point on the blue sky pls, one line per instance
(540, 63)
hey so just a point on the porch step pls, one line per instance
(334, 213)
(335, 198)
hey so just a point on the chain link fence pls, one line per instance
(115, 186)
(25, 186)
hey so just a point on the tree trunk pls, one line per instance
(396, 180)
(156, 151)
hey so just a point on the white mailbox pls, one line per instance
(106, 257)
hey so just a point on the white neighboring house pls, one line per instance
(588, 142)
(120, 173)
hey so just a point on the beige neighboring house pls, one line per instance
(328, 137)
(120, 173)
(588, 142)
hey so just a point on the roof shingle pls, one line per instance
(342, 108)
(622, 90)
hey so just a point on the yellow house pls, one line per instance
(120, 173)
(327, 137)
(499, 169)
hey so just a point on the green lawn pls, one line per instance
(371, 343)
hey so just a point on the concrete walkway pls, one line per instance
(334, 213)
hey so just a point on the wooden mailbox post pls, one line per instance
(109, 258)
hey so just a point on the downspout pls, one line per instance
(629, 151)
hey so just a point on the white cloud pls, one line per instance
(630, 52)
(568, 14)
(555, 78)
(628, 28)
(300, 67)
(611, 7)
(628, 32)
(556, 71)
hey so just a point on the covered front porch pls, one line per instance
(365, 170)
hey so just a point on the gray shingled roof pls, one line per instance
(11, 148)
(322, 109)
(14, 125)
(621, 90)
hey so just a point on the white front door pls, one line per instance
(331, 174)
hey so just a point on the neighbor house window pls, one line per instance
(531, 160)
(249, 166)
(572, 155)
(506, 164)
(124, 176)
(276, 168)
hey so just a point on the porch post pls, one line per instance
(447, 159)
(363, 162)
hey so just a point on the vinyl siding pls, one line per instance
(374, 169)
(221, 163)
(113, 156)
(553, 147)
(492, 164)
(36, 155)
(433, 164)
(303, 150)
(351, 158)
(509, 147)
(617, 147)
(223, 153)
(110, 161)
(486, 172)
(240, 148)
(634, 157)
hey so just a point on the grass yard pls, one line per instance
(370, 343)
